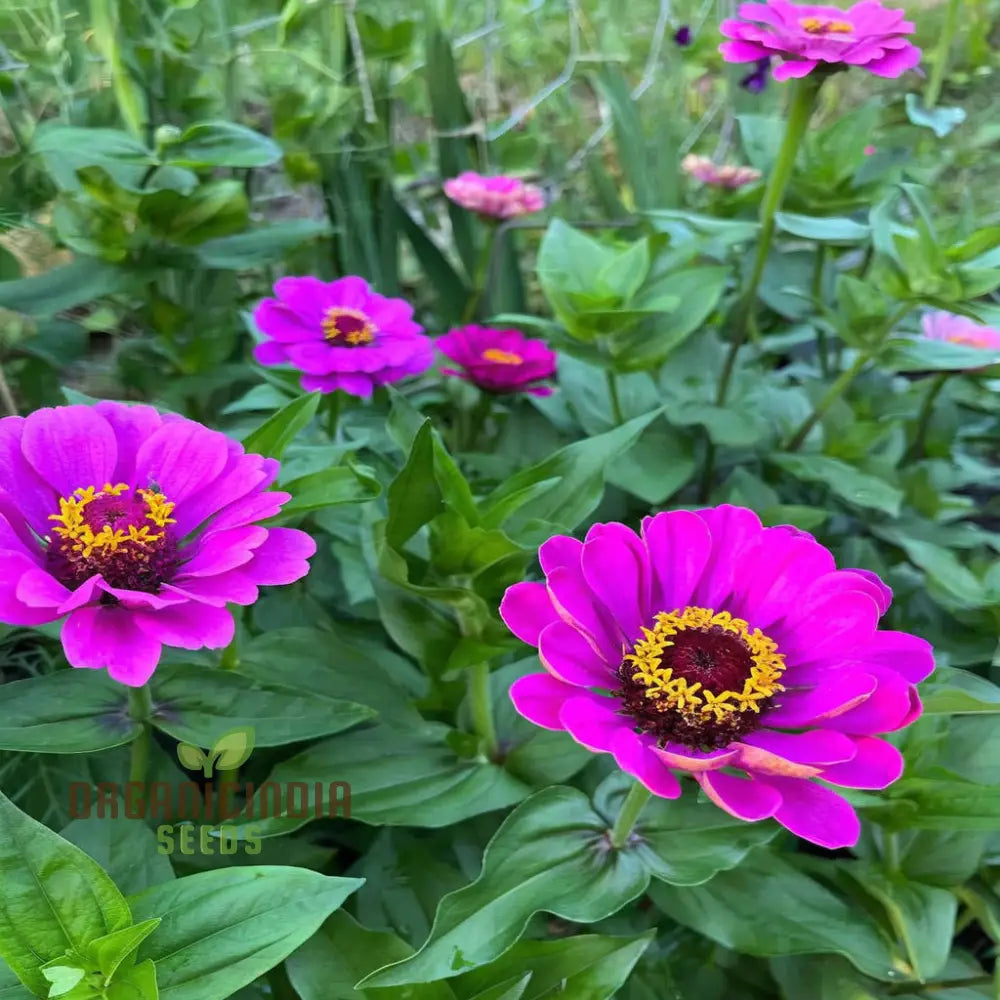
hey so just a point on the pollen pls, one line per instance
(347, 327)
(501, 357)
(700, 677)
(825, 26)
(116, 531)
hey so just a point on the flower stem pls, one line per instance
(890, 852)
(334, 406)
(934, 83)
(140, 708)
(916, 450)
(804, 94)
(230, 659)
(481, 704)
(616, 403)
(817, 294)
(6, 396)
(480, 277)
(638, 796)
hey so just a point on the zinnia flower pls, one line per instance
(682, 36)
(805, 35)
(701, 168)
(736, 653)
(341, 335)
(756, 81)
(960, 330)
(501, 197)
(500, 361)
(139, 527)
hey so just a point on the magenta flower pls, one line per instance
(735, 653)
(500, 197)
(960, 330)
(139, 527)
(701, 168)
(341, 335)
(500, 361)
(806, 35)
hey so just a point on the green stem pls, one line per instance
(638, 796)
(845, 378)
(817, 294)
(916, 450)
(480, 276)
(481, 704)
(616, 404)
(934, 83)
(140, 708)
(334, 406)
(230, 659)
(890, 852)
(804, 94)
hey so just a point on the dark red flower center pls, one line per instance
(699, 678)
(122, 533)
(347, 327)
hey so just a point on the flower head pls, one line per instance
(500, 361)
(140, 528)
(738, 654)
(341, 335)
(806, 36)
(701, 168)
(500, 197)
(682, 36)
(960, 330)
(755, 81)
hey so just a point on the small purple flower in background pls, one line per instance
(701, 168)
(735, 653)
(682, 36)
(341, 335)
(140, 527)
(807, 36)
(756, 81)
(500, 197)
(960, 330)
(500, 361)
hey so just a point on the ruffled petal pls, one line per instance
(592, 721)
(282, 558)
(526, 610)
(109, 639)
(188, 626)
(745, 798)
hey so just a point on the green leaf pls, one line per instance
(577, 474)
(342, 953)
(330, 488)
(125, 848)
(110, 951)
(402, 775)
(939, 120)
(414, 497)
(138, 983)
(223, 929)
(63, 288)
(949, 804)
(200, 706)
(65, 712)
(949, 578)
(279, 430)
(858, 488)
(10, 985)
(67, 148)
(825, 229)
(550, 854)
(258, 247)
(222, 144)
(920, 354)
(748, 909)
(214, 209)
(53, 897)
(958, 692)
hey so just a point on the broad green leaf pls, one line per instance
(278, 431)
(198, 706)
(861, 489)
(110, 951)
(959, 692)
(750, 909)
(222, 144)
(822, 228)
(950, 579)
(214, 209)
(125, 848)
(550, 854)
(10, 986)
(329, 488)
(398, 775)
(949, 804)
(342, 953)
(78, 711)
(53, 897)
(65, 287)
(138, 983)
(67, 148)
(414, 497)
(222, 929)
(823, 978)
(259, 246)
(585, 967)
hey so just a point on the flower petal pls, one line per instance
(815, 813)
(526, 610)
(743, 797)
(539, 697)
(877, 764)
(567, 654)
(188, 626)
(592, 722)
(109, 638)
(632, 754)
(679, 544)
(181, 457)
(282, 558)
(70, 447)
(615, 568)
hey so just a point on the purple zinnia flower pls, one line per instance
(341, 335)
(735, 653)
(807, 36)
(500, 361)
(139, 527)
(682, 36)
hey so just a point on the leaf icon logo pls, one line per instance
(228, 752)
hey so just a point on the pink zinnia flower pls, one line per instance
(499, 360)
(501, 197)
(341, 335)
(735, 653)
(139, 527)
(960, 330)
(806, 35)
(701, 168)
